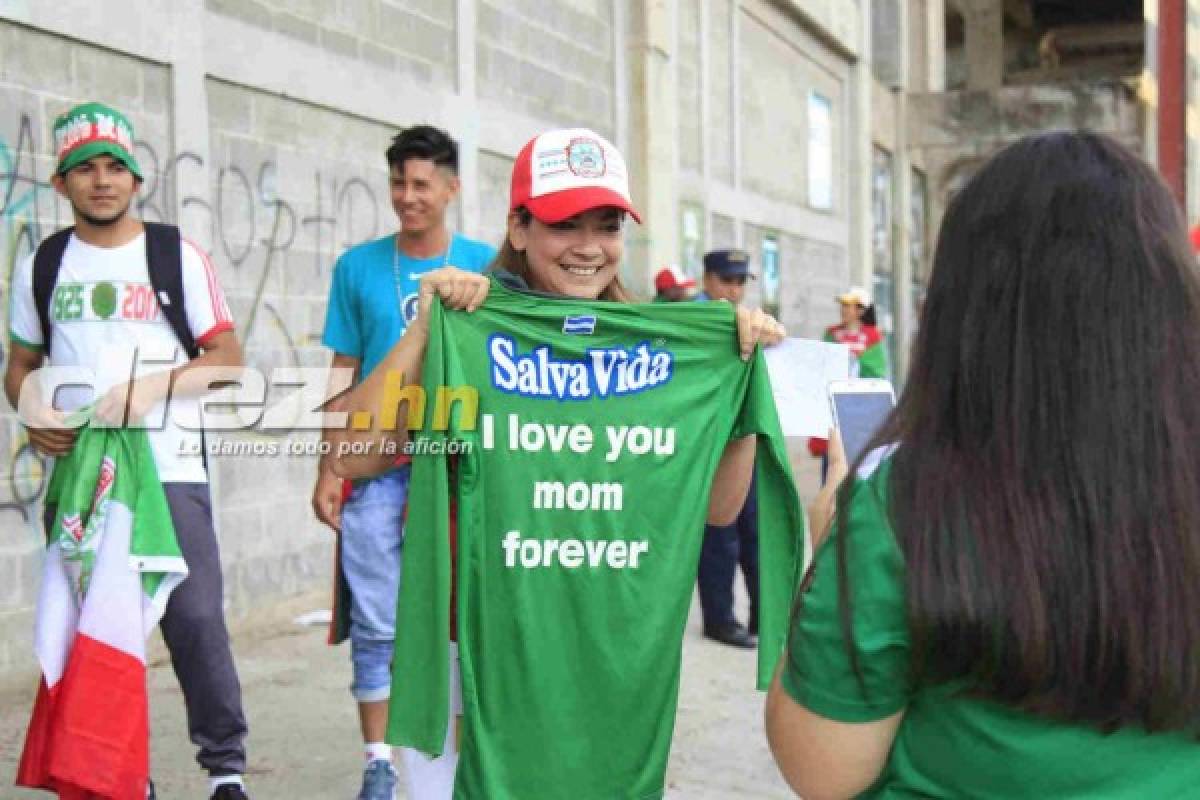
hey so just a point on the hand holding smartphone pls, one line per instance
(860, 407)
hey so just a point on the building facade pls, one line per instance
(823, 136)
(261, 128)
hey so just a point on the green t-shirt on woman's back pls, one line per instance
(950, 745)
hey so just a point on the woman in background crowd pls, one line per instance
(858, 331)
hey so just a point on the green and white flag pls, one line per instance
(112, 561)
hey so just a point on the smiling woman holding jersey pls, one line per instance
(564, 239)
(1008, 604)
(568, 204)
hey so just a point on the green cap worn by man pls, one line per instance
(93, 129)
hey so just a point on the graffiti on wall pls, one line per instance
(248, 227)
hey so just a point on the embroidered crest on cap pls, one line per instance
(585, 158)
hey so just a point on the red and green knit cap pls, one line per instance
(90, 130)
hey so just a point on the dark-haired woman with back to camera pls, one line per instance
(1007, 604)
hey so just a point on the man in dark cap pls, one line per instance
(725, 276)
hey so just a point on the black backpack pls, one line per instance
(163, 262)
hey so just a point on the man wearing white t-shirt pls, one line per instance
(106, 317)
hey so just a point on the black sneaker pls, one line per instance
(733, 635)
(229, 791)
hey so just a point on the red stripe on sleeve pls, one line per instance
(220, 327)
(215, 297)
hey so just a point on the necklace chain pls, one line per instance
(399, 278)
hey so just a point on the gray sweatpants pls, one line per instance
(193, 628)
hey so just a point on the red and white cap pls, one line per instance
(565, 172)
(672, 278)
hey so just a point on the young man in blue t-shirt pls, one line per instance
(371, 301)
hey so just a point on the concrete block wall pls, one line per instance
(811, 274)
(295, 185)
(815, 273)
(42, 75)
(757, 64)
(549, 60)
(493, 178)
(691, 87)
(723, 232)
(782, 65)
(775, 79)
(412, 38)
(719, 70)
(261, 127)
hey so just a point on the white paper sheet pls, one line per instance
(801, 370)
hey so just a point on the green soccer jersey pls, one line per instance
(582, 492)
(950, 744)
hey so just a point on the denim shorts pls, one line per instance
(372, 537)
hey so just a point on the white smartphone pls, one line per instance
(860, 407)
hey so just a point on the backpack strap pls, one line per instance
(164, 262)
(46, 263)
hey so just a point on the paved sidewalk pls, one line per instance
(304, 732)
(304, 740)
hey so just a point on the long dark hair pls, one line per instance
(1046, 488)
(510, 259)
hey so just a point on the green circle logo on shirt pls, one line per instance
(104, 299)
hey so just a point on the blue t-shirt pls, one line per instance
(368, 311)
